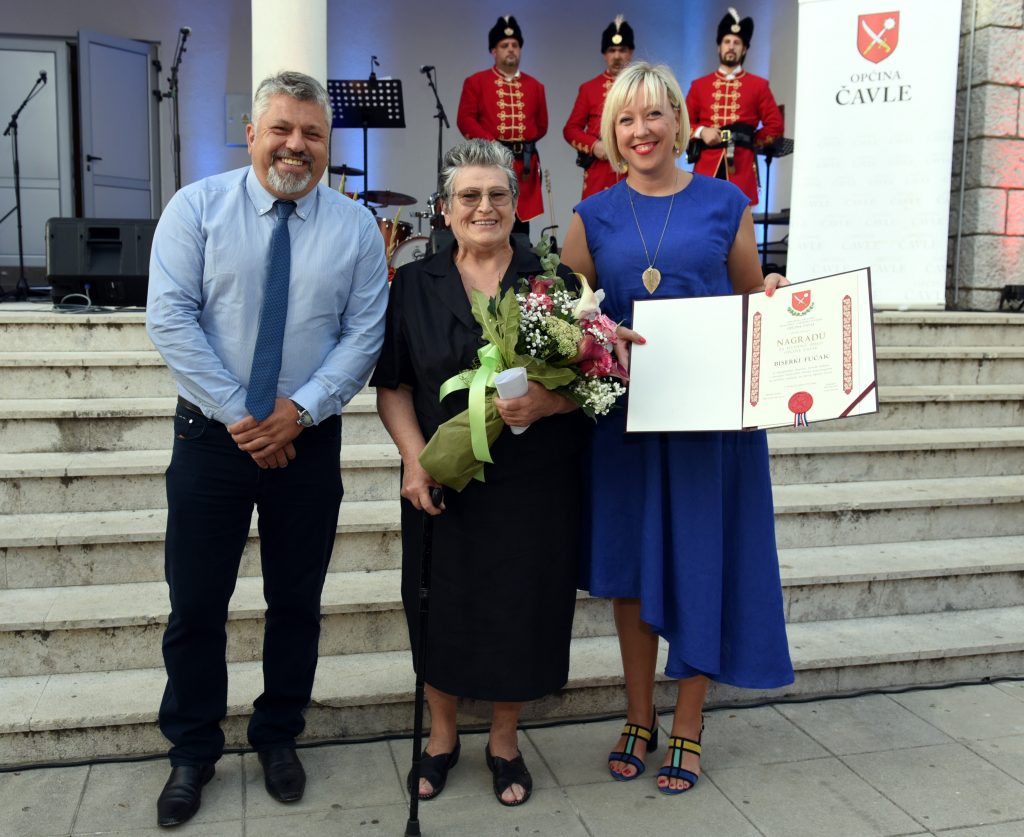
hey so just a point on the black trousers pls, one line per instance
(212, 487)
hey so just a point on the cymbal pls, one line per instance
(386, 198)
(348, 171)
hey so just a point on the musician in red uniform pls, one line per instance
(731, 98)
(583, 130)
(507, 105)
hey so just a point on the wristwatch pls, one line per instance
(305, 419)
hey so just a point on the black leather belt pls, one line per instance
(522, 151)
(188, 405)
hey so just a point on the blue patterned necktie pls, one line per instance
(266, 359)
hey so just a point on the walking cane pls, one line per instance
(412, 827)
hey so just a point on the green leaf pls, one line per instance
(508, 325)
(480, 305)
(551, 377)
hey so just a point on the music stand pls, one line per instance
(782, 147)
(366, 103)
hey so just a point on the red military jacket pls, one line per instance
(494, 108)
(583, 129)
(716, 101)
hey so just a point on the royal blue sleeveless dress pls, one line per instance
(683, 521)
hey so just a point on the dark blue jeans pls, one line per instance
(212, 487)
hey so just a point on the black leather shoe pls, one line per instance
(283, 774)
(180, 798)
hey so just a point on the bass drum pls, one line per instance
(410, 250)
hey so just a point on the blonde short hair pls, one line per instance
(657, 83)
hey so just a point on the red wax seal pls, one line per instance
(800, 402)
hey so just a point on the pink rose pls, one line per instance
(540, 286)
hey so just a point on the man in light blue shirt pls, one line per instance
(208, 281)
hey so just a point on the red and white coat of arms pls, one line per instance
(877, 35)
(801, 301)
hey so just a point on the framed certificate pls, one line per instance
(805, 354)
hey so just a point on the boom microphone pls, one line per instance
(426, 68)
(42, 76)
(186, 30)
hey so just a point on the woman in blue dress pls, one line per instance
(682, 531)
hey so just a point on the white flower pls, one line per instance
(589, 305)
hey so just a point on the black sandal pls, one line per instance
(507, 773)
(435, 770)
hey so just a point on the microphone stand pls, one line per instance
(173, 93)
(440, 116)
(372, 80)
(21, 290)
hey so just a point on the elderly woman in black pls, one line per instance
(505, 552)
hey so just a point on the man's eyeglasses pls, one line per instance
(470, 198)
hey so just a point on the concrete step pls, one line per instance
(889, 579)
(874, 511)
(125, 480)
(33, 329)
(950, 365)
(827, 452)
(118, 424)
(120, 374)
(948, 328)
(61, 630)
(47, 330)
(84, 424)
(930, 407)
(112, 547)
(84, 374)
(63, 717)
(56, 549)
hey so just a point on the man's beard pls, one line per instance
(730, 62)
(290, 182)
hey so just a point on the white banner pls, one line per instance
(875, 98)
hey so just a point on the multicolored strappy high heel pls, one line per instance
(634, 733)
(677, 745)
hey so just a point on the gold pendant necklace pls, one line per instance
(652, 276)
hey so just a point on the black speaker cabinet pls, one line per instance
(104, 259)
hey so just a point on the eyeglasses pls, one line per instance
(471, 198)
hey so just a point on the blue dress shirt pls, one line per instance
(207, 274)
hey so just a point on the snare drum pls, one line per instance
(410, 250)
(393, 234)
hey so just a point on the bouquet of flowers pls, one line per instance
(558, 336)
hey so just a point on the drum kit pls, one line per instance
(400, 245)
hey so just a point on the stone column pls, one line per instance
(992, 234)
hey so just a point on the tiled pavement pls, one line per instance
(947, 762)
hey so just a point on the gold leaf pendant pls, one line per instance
(652, 278)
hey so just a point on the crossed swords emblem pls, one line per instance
(878, 38)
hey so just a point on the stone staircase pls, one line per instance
(926, 499)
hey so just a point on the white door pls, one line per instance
(44, 148)
(120, 129)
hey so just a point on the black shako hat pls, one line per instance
(732, 25)
(618, 33)
(506, 27)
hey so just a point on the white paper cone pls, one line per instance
(512, 383)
